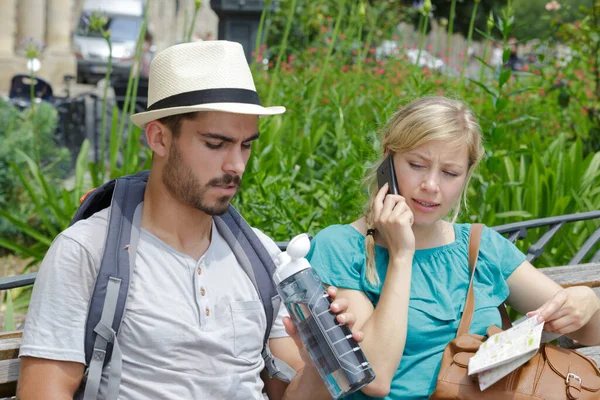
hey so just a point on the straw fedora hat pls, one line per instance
(201, 76)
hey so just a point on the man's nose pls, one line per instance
(235, 163)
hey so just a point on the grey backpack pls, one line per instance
(124, 197)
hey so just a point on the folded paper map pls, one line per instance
(503, 352)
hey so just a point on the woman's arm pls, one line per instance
(574, 311)
(385, 326)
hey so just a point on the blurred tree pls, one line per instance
(533, 19)
(314, 19)
(464, 8)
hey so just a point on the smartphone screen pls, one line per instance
(386, 173)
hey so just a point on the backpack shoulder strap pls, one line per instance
(252, 256)
(259, 266)
(107, 304)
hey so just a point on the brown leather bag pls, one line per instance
(553, 373)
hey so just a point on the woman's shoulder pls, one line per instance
(494, 248)
(337, 254)
(488, 234)
(340, 233)
(341, 242)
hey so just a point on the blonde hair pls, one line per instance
(422, 121)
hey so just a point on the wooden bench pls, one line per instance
(9, 362)
(571, 275)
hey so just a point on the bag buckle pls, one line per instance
(573, 376)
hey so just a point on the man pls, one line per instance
(193, 324)
(147, 54)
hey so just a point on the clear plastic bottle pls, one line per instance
(337, 356)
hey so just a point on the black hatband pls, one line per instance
(206, 96)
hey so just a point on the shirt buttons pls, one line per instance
(202, 291)
(199, 270)
(207, 312)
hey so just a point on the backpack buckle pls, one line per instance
(277, 368)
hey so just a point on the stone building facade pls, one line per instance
(53, 22)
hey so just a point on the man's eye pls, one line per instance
(214, 145)
(247, 146)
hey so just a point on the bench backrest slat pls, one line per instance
(571, 275)
(9, 373)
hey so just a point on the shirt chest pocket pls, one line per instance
(249, 325)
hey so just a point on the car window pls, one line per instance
(121, 28)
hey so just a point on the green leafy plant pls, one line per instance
(423, 31)
(8, 311)
(583, 37)
(52, 205)
(197, 5)
(16, 137)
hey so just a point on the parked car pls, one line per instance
(124, 22)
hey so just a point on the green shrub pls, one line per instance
(16, 135)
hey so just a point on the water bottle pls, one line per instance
(337, 356)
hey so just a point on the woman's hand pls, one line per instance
(308, 381)
(569, 310)
(393, 219)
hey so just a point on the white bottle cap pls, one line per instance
(292, 260)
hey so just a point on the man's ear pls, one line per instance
(158, 138)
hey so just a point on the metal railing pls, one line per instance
(518, 230)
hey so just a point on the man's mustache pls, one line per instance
(226, 179)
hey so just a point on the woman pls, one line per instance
(404, 268)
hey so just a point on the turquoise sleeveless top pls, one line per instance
(439, 284)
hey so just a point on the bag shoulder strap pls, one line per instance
(465, 322)
(107, 304)
(259, 266)
(252, 256)
(506, 322)
(474, 239)
(127, 194)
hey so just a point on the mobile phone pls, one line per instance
(386, 173)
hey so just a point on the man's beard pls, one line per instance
(180, 181)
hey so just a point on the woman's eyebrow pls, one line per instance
(448, 163)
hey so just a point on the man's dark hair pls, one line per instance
(173, 122)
